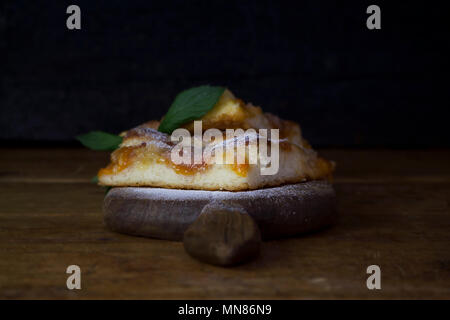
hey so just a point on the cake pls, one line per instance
(145, 157)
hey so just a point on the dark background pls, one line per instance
(311, 61)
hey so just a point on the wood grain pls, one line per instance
(279, 212)
(50, 217)
(224, 234)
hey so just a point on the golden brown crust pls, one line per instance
(144, 146)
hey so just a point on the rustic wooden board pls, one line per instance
(166, 213)
(402, 224)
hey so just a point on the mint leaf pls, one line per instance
(189, 105)
(99, 140)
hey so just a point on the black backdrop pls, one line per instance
(311, 61)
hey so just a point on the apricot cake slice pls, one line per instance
(146, 156)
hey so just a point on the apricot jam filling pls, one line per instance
(120, 160)
(126, 156)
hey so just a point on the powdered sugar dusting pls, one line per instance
(277, 193)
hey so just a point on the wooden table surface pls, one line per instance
(394, 212)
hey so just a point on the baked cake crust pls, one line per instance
(144, 157)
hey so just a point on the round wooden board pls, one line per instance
(166, 213)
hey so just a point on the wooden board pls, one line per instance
(393, 211)
(166, 213)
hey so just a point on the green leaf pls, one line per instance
(189, 105)
(107, 188)
(94, 180)
(99, 140)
